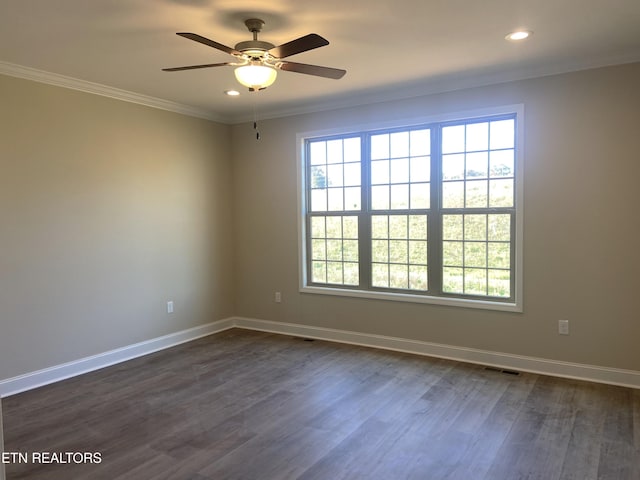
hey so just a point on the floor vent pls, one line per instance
(502, 370)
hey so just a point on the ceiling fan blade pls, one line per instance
(193, 67)
(316, 70)
(299, 45)
(205, 41)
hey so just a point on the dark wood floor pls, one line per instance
(250, 405)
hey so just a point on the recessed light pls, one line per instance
(232, 93)
(519, 35)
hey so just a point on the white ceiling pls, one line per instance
(390, 48)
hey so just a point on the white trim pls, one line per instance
(515, 306)
(411, 298)
(57, 80)
(423, 87)
(39, 378)
(302, 208)
(591, 373)
(519, 186)
(435, 85)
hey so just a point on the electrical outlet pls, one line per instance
(277, 297)
(170, 306)
(563, 327)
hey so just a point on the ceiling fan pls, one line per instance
(257, 61)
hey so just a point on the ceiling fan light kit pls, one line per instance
(258, 62)
(256, 77)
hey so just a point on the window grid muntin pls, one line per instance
(415, 147)
(435, 218)
(322, 196)
(474, 209)
(487, 242)
(325, 269)
(466, 182)
(409, 241)
(382, 165)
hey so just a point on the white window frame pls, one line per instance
(515, 306)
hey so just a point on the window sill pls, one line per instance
(402, 297)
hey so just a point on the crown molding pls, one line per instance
(57, 80)
(436, 85)
(415, 89)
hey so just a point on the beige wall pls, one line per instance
(582, 224)
(107, 210)
(2, 469)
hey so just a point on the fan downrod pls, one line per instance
(254, 25)
(254, 48)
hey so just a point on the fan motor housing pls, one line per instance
(254, 45)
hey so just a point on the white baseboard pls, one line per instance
(31, 380)
(591, 373)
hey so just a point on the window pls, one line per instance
(427, 213)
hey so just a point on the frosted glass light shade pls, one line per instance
(256, 76)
